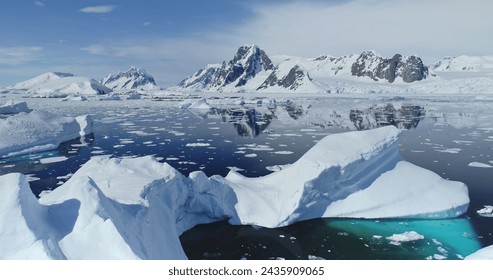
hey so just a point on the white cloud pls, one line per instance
(428, 28)
(104, 9)
(40, 4)
(96, 49)
(19, 55)
(147, 23)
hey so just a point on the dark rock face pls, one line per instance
(249, 61)
(369, 64)
(414, 70)
(246, 64)
(291, 81)
(203, 77)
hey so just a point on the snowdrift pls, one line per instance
(136, 208)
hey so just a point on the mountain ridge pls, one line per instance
(133, 79)
(251, 69)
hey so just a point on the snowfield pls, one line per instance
(136, 208)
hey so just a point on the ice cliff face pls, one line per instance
(136, 208)
(132, 79)
(36, 131)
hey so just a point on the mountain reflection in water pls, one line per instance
(251, 121)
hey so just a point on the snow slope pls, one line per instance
(464, 63)
(136, 208)
(55, 84)
(38, 131)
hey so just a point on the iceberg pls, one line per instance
(37, 131)
(485, 253)
(13, 107)
(136, 208)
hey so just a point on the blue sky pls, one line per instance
(173, 39)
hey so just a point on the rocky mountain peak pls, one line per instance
(372, 65)
(133, 78)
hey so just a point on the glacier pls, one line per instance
(136, 208)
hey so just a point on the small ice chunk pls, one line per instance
(283, 152)
(479, 164)
(405, 236)
(197, 144)
(53, 159)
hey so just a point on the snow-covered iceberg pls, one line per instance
(137, 207)
(485, 253)
(39, 131)
(13, 107)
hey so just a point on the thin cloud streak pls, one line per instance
(19, 55)
(40, 4)
(104, 9)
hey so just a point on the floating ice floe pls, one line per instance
(200, 104)
(487, 211)
(136, 208)
(480, 165)
(408, 236)
(39, 131)
(13, 107)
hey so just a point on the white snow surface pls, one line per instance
(482, 254)
(39, 130)
(405, 236)
(55, 84)
(136, 208)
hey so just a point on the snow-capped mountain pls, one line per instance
(246, 64)
(132, 79)
(56, 84)
(252, 70)
(464, 63)
(408, 68)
